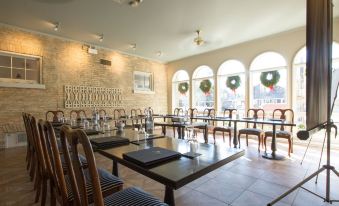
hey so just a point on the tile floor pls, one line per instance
(248, 181)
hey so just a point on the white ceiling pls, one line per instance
(158, 25)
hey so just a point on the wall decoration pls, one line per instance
(270, 79)
(143, 82)
(233, 82)
(205, 86)
(84, 96)
(183, 87)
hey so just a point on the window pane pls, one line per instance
(203, 100)
(231, 99)
(269, 98)
(18, 62)
(179, 99)
(5, 72)
(33, 75)
(32, 64)
(5, 61)
(231, 67)
(202, 72)
(268, 60)
(18, 74)
(180, 75)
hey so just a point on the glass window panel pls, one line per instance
(18, 62)
(5, 72)
(32, 64)
(180, 100)
(180, 75)
(18, 74)
(231, 67)
(33, 75)
(268, 60)
(5, 61)
(202, 100)
(231, 99)
(202, 72)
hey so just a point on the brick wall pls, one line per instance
(66, 62)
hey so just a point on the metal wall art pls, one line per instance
(84, 96)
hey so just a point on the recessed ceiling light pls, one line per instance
(134, 3)
(101, 37)
(56, 26)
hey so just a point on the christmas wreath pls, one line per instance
(233, 82)
(183, 87)
(205, 86)
(269, 79)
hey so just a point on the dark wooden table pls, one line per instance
(176, 173)
(274, 123)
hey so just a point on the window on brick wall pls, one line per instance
(20, 68)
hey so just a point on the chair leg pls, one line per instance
(230, 139)
(265, 138)
(247, 140)
(223, 136)
(292, 145)
(53, 198)
(239, 139)
(174, 132)
(214, 136)
(289, 146)
(38, 189)
(44, 191)
(259, 143)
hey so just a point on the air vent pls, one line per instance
(105, 62)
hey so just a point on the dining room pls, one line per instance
(154, 102)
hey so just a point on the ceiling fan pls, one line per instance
(134, 3)
(199, 40)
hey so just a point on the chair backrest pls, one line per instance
(57, 114)
(122, 112)
(229, 113)
(284, 114)
(192, 112)
(178, 111)
(77, 114)
(148, 108)
(256, 113)
(54, 161)
(136, 113)
(206, 112)
(30, 142)
(102, 113)
(116, 114)
(73, 162)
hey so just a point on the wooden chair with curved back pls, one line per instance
(137, 123)
(102, 113)
(225, 128)
(130, 196)
(192, 112)
(255, 114)
(78, 114)
(283, 114)
(30, 153)
(57, 114)
(178, 112)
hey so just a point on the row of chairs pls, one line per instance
(250, 129)
(74, 179)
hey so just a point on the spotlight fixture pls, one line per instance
(56, 26)
(135, 3)
(133, 46)
(159, 53)
(101, 37)
(198, 40)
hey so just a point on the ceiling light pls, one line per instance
(133, 46)
(198, 40)
(101, 37)
(134, 3)
(56, 26)
(159, 53)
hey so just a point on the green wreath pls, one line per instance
(183, 87)
(269, 79)
(233, 82)
(205, 86)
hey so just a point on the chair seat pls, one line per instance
(223, 129)
(132, 196)
(108, 183)
(279, 133)
(83, 161)
(251, 131)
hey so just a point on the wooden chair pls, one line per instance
(283, 114)
(56, 115)
(130, 196)
(78, 114)
(137, 123)
(225, 128)
(30, 153)
(254, 130)
(102, 113)
(178, 112)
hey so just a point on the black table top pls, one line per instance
(177, 173)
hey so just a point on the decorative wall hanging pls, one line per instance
(205, 86)
(84, 96)
(269, 79)
(183, 87)
(233, 82)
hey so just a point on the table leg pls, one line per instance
(273, 155)
(115, 168)
(169, 196)
(235, 138)
(163, 128)
(179, 133)
(206, 134)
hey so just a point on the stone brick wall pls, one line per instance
(66, 62)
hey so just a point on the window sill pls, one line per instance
(22, 85)
(143, 92)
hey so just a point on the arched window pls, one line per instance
(299, 94)
(268, 81)
(203, 88)
(231, 85)
(180, 89)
